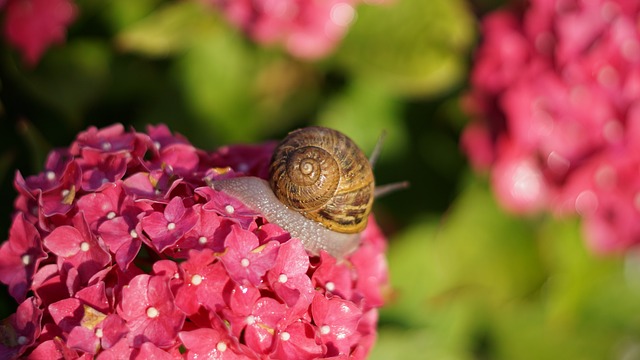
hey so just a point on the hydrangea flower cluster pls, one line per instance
(33, 25)
(308, 29)
(119, 249)
(555, 89)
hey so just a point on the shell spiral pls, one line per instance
(322, 174)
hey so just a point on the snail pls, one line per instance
(321, 189)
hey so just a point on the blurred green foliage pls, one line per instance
(468, 280)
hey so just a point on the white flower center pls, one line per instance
(229, 209)
(106, 146)
(330, 286)
(84, 246)
(202, 240)
(152, 312)
(221, 346)
(133, 233)
(26, 259)
(65, 193)
(111, 215)
(22, 340)
(244, 262)
(50, 175)
(171, 226)
(251, 320)
(285, 336)
(196, 279)
(325, 329)
(99, 333)
(282, 278)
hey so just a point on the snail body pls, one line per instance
(321, 190)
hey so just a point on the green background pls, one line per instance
(468, 280)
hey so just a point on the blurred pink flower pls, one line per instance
(555, 89)
(141, 258)
(34, 25)
(308, 29)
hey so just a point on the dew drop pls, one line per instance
(196, 279)
(111, 215)
(171, 226)
(152, 312)
(221, 346)
(133, 233)
(229, 209)
(26, 259)
(244, 262)
(202, 240)
(84, 246)
(325, 329)
(282, 278)
(285, 336)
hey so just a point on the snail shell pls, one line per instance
(322, 174)
(321, 190)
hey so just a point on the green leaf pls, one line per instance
(364, 111)
(412, 46)
(168, 30)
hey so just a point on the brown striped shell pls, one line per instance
(322, 174)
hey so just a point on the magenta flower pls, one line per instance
(20, 256)
(554, 92)
(150, 313)
(143, 259)
(33, 25)
(308, 29)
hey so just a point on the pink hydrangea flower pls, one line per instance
(307, 29)
(120, 248)
(33, 25)
(554, 93)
